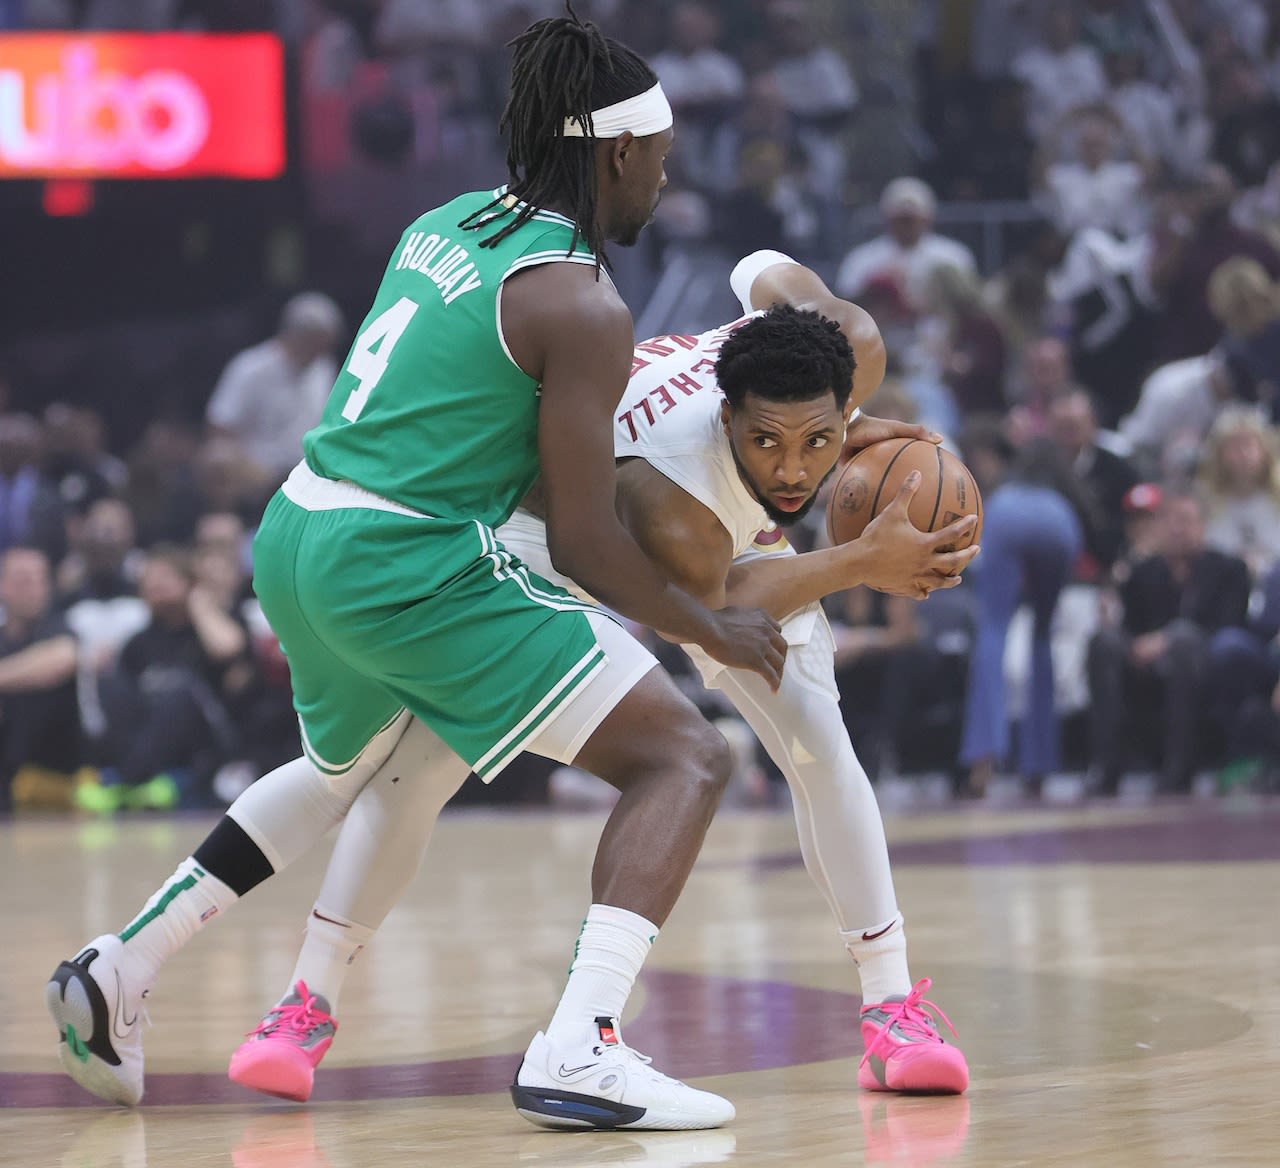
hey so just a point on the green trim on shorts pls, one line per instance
(565, 690)
(503, 569)
(336, 770)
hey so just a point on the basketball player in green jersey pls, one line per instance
(496, 349)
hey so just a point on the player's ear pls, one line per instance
(724, 415)
(620, 150)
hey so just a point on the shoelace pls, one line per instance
(623, 1048)
(293, 1020)
(911, 1017)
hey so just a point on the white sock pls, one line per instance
(331, 944)
(611, 949)
(881, 961)
(176, 912)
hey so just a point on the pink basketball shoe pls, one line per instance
(905, 1052)
(280, 1056)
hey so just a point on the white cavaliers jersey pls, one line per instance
(670, 417)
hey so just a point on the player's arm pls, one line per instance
(681, 535)
(764, 279)
(891, 556)
(577, 340)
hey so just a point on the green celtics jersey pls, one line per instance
(429, 409)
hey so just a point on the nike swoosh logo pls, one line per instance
(119, 1018)
(880, 933)
(565, 1072)
(78, 1048)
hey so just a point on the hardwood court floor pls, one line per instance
(1112, 972)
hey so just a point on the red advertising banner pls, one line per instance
(125, 105)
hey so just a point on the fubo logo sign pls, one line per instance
(135, 106)
(91, 118)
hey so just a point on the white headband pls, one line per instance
(646, 113)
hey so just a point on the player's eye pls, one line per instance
(818, 441)
(765, 443)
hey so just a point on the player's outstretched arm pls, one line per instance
(575, 336)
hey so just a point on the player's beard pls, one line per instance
(776, 514)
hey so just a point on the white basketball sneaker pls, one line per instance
(97, 1007)
(606, 1084)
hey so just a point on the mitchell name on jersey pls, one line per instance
(670, 417)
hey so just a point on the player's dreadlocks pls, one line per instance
(563, 68)
(788, 354)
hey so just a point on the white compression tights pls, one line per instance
(841, 834)
(386, 820)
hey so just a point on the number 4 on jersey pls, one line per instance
(372, 351)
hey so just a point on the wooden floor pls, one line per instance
(1113, 971)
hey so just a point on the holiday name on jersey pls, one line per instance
(445, 263)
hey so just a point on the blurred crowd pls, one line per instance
(1114, 386)
(1112, 379)
(136, 669)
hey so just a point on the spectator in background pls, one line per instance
(226, 531)
(1093, 172)
(1018, 294)
(971, 357)
(1192, 235)
(1150, 113)
(1246, 117)
(883, 667)
(39, 737)
(1105, 477)
(227, 480)
(1247, 303)
(75, 459)
(31, 513)
(1141, 511)
(817, 88)
(167, 724)
(908, 251)
(161, 490)
(1043, 376)
(270, 395)
(1176, 406)
(1240, 481)
(1061, 73)
(1155, 658)
(219, 563)
(1031, 537)
(701, 81)
(769, 206)
(104, 562)
(99, 585)
(1101, 289)
(1244, 681)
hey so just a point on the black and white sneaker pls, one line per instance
(97, 1008)
(608, 1085)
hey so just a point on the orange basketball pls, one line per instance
(871, 479)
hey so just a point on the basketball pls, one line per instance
(872, 478)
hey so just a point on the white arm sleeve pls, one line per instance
(744, 275)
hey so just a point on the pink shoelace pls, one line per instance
(293, 1020)
(911, 1017)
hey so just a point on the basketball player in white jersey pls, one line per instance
(722, 439)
